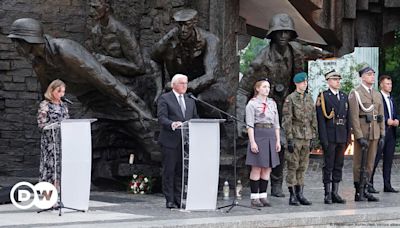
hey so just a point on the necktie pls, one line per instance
(338, 96)
(391, 107)
(181, 104)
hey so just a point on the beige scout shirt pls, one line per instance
(258, 111)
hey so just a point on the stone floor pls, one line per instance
(121, 209)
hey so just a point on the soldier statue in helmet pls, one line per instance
(89, 80)
(278, 62)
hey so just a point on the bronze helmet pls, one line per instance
(27, 29)
(281, 22)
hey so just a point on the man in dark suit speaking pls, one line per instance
(173, 108)
(391, 123)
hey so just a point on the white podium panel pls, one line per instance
(201, 150)
(76, 162)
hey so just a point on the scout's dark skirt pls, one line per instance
(267, 155)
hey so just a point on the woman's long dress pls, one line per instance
(50, 141)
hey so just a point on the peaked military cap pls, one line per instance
(332, 74)
(365, 67)
(185, 15)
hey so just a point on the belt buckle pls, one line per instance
(340, 122)
(374, 117)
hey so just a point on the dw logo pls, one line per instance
(44, 195)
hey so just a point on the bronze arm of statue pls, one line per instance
(210, 64)
(131, 63)
(82, 64)
(161, 46)
(311, 52)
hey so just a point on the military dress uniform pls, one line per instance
(300, 124)
(334, 135)
(366, 114)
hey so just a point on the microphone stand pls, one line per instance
(234, 120)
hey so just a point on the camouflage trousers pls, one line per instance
(297, 162)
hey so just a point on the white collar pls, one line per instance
(177, 94)
(386, 95)
(335, 92)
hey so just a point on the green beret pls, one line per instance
(300, 77)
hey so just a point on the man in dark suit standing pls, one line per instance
(334, 134)
(173, 108)
(391, 122)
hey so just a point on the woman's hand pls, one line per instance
(254, 147)
(278, 147)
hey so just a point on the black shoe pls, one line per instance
(370, 197)
(181, 207)
(170, 205)
(278, 194)
(358, 197)
(390, 189)
(371, 189)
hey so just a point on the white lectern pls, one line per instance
(76, 162)
(200, 173)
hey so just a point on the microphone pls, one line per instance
(192, 96)
(67, 100)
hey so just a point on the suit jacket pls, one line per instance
(359, 124)
(168, 111)
(386, 111)
(328, 130)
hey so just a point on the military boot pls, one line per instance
(276, 190)
(300, 197)
(327, 197)
(358, 196)
(292, 198)
(369, 196)
(335, 195)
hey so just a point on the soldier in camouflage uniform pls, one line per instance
(298, 112)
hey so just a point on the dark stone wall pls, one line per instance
(20, 91)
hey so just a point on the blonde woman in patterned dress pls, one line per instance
(51, 110)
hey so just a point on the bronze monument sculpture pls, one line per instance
(188, 49)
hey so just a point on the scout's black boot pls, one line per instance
(335, 195)
(327, 198)
(276, 190)
(358, 197)
(292, 198)
(300, 197)
(369, 196)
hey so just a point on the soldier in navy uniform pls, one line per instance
(334, 134)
